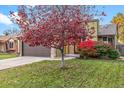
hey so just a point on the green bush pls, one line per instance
(102, 49)
(113, 54)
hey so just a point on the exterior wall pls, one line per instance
(2, 47)
(53, 53)
(20, 48)
(18, 45)
(94, 26)
(58, 53)
(69, 49)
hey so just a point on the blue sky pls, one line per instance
(110, 10)
(5, 23)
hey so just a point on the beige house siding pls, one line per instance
(94, 24)
(2, 47)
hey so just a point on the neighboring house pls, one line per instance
(108, 34)
(9, 44)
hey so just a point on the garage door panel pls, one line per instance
(36, 51)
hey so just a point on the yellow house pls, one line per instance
(93, 27)
(95, 31)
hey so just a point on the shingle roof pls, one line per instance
(6, 38)
(109, 29)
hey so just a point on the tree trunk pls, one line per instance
(62, 58)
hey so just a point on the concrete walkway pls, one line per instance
(122, 57)
(14, 62)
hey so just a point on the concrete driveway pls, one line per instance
(13, 62)
(18, 61)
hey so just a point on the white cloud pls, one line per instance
(15, 16)
(4, 19)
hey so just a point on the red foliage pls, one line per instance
(86, 44)
(86, 49)
(53, 26)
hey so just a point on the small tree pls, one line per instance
(11, 31)
(119, 21)
(53, 26)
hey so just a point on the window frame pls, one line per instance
(11, 44)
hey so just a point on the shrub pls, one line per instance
(97, 49)
(86, 44)
(86, 49)
(87, 52)
(113, 54)
(102, 48)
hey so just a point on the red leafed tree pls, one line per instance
(53, 26)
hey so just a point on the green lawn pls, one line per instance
(6, 56)
(80, 73)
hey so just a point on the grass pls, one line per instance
(6, 56)
(80, 73)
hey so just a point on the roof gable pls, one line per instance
(6, 38)
(110, 29)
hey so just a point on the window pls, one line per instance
(104, 38)
(110, 40)
(10, 44)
